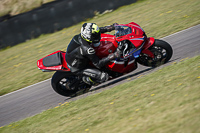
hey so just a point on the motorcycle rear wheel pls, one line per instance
(61, 81)
(162, 53)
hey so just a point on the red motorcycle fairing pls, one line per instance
(107, 45)
(137, 38)
(122, 66)
(53, 62)
(149, 42)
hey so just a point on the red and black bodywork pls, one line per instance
(138, 49)
(108, 44)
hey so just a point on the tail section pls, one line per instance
(53, 62)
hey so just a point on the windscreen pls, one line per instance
(122, 30)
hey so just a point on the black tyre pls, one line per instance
(162, 53)
(67, 84)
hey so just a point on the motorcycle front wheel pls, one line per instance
(162, 53)
(68, 84)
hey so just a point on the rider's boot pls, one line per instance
(89, 81)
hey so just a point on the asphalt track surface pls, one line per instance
(39, 97)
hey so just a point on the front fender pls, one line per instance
(149, 42)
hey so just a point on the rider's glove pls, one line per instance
(114, 24)
(111, 27)
(121, 46)
(118, 53)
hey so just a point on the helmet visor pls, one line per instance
(96, 37)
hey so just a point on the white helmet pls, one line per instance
(90, 32)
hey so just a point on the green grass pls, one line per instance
(166, 101)
(158, 18)
(14, 7)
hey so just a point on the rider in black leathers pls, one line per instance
(80, 52)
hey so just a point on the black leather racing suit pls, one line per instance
(78, 55)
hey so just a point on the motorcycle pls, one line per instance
(139, 48)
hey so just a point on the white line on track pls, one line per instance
(25, 88)
(181, 31)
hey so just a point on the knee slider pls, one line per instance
(104, 77)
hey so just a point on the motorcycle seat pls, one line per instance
(53, 60)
